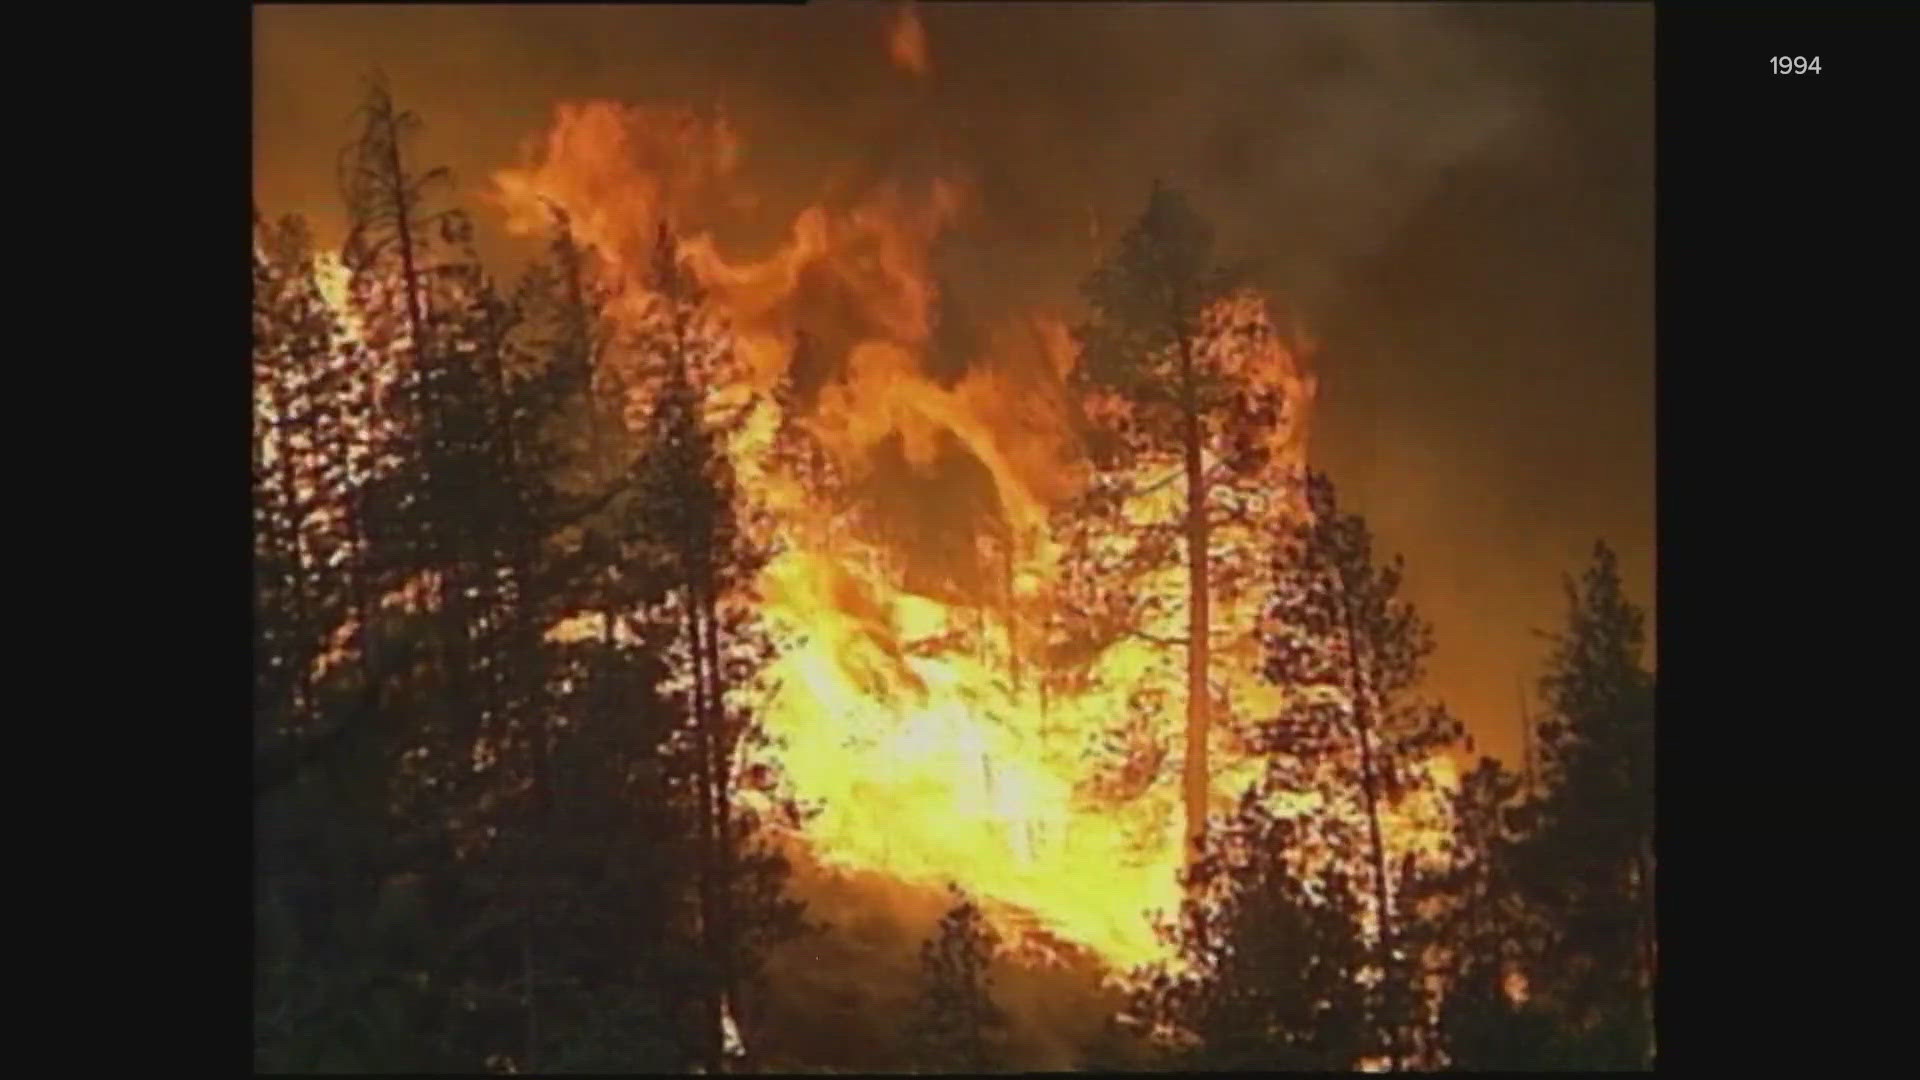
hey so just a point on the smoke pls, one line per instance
(1309, 138)
(1378, 109)
(1308, 131)
(906, 415)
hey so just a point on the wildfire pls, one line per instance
(907, 42)
(914, 719)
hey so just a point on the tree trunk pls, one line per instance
(361, 572)
(416, 316)
(1526, 744)
(286, 527)
(711, 1041)
(1367, 786)
(722, 746)
(516, 637)
(1013, 622)
(1194, 784)
(455, 623)
(527, 968)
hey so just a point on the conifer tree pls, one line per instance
(338, 936)
(1184, 388)
(1588, 856)
(1349, 651)
(1476, 933)
(1141, 347)
(957, 1020)
(1272, 961)
(496, 870)
(691, 512)
(803, 459)
(416, 293)
(288, 626)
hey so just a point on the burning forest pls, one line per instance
(719, 646)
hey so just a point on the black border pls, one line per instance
(1772, 191)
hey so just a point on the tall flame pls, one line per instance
(901, 713)
(907, 42)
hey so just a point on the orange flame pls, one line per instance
(898, 714)
(907, 43)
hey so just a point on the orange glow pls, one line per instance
(907, 43)
(896, 714)
(1515, 985)
(914, 724)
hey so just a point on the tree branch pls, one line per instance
(1155, 639)
(1165, 481)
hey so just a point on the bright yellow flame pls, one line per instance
(900, 717)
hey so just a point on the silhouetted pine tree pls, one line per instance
(289, 345)
(957, 1023)
(608, 855)
(330, 992)
(427, 786)
(425, 306)
(497, 869)
(691, 516)
(320, 438)
(1348, 650)
(1183, 391)
(597, 853)
(801, 456)
(1272, 961)
(421, 344)
(1475, 933)
(1142, 347)
(1588, 856)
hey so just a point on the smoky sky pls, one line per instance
(1457, 200)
